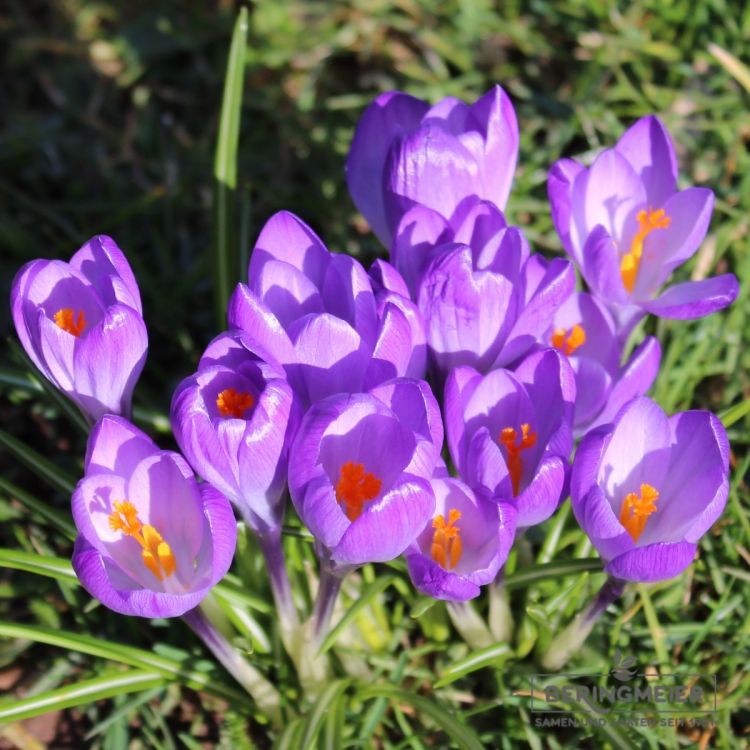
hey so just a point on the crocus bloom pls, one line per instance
(485, 301)
(234, 420)
(152, 541)
(646, 487)
(627, 227)
(465, 543)
(360, 467)
(511, 433)
(81, 324)
(405, 152)
(584, 331)
(320, 316)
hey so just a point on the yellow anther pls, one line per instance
(355, 487)
(648, 220)
(446, 546)
(234, 403)
(568, 341)
(637, 508)
(65, 319)
(513, 458)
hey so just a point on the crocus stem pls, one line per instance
(500, 617)
(270, 545)
(260, 689)
(573, 637)
(329, 586)
(470, 625)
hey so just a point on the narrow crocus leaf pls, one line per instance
(226, 256)
(492, 656)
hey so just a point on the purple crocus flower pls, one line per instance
(627, 227)
(405, 152)
(647, 487)
(484, 299)
(152, 541)
(320, 316)
(82, 326)
(510, 432)
(464, 545)
(584, 331)
(234, 420)
(360, 469)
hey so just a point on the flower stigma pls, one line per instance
(65, 319)
(234, 403)
(446, 540)
(637, 508)
(156, 553)
(508, 439)
(567, 341)
(648, 220)
(356, 487)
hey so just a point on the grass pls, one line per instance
(112, 115)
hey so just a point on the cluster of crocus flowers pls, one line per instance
(316, 387)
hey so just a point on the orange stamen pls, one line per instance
(65, 319)
(157, 555)
(648, 220)
(508, 439)
(446, 540)
(568, 341)
(355, 488)
(234, 403)
(637, 508)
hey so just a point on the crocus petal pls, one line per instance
(436, 582)
(388, 525)
(263, 333)
(108, 361)
(102, 262)
(540, 499)
(559, 188)
(388, 117)
(494, 111)
(601, 267)
(635, 379)
(648, 147)
(695, 299)
(555, 287)
(479, 225)
(285, 237)
(420, 231)
(329, 357)
(393, 349)
(689, 212)
(656, 562)
(116, 445)
(287, 292)
(385, 278)
(459, 387)
(430, 167)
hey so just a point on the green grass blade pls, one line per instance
(370, 592)
(733, 65)
(226, 264)
(124, 654)
(526, 576)
(314, 720)
(79, 693)
(42, 467)
(54, 517)
(734, 413)
(43, 565)
(461, 734)
(495, 655)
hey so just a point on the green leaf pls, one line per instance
(43, 565)
(134, 657)
(734, 413)
(526, 576)
(462, 735)
(80, 693)
(314, 720)
(226, 264)
(54, 517)
(370, 592)
(41, 466)
(495, 655)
